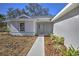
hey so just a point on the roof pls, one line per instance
(65, 10)
(25, 17)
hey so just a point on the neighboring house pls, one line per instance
(25, 25)
(67, 24)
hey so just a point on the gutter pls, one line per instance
(65, 10)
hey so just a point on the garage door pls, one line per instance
(44, 28)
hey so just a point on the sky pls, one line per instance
(54, 8)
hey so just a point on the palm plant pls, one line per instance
(57, 39)
(72, 51)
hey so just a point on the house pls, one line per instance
(25, 25)
(66, 23)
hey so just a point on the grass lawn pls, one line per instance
(15, 45)
(50, 49)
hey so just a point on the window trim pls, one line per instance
(21, 27)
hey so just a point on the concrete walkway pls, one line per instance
(38, 47)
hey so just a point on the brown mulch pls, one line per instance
(49, 48)
(15, 45)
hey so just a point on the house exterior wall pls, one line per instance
(14, 28)
(31, 27)
(68, 27)
(44, 28)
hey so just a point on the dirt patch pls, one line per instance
(50, 49)
(15, 46)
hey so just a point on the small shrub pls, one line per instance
(57, 39)
(8, 30)
(59, 49)
(72, 52)
(52, 37)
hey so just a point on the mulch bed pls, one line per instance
(15, 46)
(49, 48)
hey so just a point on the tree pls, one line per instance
(2, 24)
(32, 9)
(10, 12)
(2, 17)
(35, 9)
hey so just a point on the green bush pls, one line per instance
(72, 52)
(57, 39)
(59, 47)
(8, 30)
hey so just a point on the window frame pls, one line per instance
(22, 27)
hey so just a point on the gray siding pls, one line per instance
(44, 28)
(69, 28)
(15, 28)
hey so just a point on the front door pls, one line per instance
(44, 28)
(41, 28)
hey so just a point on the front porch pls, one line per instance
(44, 28)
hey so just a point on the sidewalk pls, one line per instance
(38, 47)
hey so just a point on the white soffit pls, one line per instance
(65, 10)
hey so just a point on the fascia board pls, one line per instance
(65, 10)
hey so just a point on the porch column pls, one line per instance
(34, 27)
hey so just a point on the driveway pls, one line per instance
(38, 47)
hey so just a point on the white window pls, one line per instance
(22, 27)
